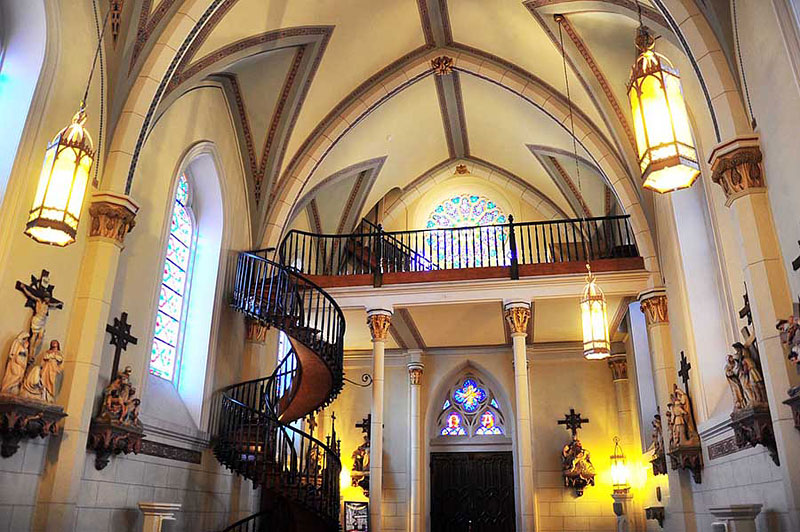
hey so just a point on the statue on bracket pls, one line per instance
(28, 390)
(359, 477)
(790, 339)
(751, 420)
(576, 464)
(684, 440)
(117, 429)
(659, 460)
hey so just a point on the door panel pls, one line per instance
(472, 492)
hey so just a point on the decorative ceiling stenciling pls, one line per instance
(647, 12)
(148, 21)
(568, 181)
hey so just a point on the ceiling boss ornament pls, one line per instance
(667, 156)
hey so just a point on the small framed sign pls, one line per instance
(356, 516)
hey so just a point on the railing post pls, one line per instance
(377, 272)
(512, 244)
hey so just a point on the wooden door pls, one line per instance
(472, 492)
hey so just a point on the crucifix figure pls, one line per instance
(120, 337)
(745, 311)
(39, 298)
(573, 422)
(686, 366)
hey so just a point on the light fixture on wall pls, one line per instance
(56, 209)
(667, 156)
(594, 318)
(619, 470)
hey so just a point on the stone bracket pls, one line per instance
(26, 418)
(109, 438)
(753, 426)
(689, 458)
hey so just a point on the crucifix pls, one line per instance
(573, 422)
(365, 426)
(39, 297)
(745, 311)
(120, 337)
(686, 366)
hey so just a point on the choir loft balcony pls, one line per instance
(374, 257)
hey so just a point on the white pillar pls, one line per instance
(378, 321)
(517, 314)
(155, 513)
(679, 506)
(415, 369)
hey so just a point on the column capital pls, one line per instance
(736, 166)
(517, 314)
(256, 331)
(619, 367)
(415, 370)
(379, 321)
(113, 216)
(654, 306)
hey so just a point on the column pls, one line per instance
(378, 321)
(415, 369)
(679, 507)
(737, 167)
(629, 513)
(517, 314)
(112, 217)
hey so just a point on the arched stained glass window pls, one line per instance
(175, 280)
(470, 236)
(470, 409)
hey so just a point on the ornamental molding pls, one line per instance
(655, 309)
(442, 65)
(415, 371)
(517, 319)
(379, 326)
(111, 220)
(619, 367)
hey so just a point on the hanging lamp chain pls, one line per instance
(96, 55)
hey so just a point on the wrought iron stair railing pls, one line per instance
(252, 429)
(373, 251)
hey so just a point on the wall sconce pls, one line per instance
(619, 470)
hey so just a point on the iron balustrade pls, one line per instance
(249, 438)
(373, 251)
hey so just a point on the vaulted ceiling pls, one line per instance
(354, 77)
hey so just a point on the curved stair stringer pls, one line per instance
(252, 431)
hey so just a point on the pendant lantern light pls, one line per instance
(667, 156)
(594, 318)
(619, 470)
(56, 210)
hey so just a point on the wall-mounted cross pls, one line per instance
(573, 422)
(121, 336)
(686, 366)
(745, 311)
(365, 425)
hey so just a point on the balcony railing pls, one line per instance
(515, 247)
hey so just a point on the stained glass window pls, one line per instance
(485, 244)
(470, 409)
(174, 285)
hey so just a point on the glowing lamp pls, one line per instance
(56, 209)
(667, 156)
(594, 317)
(344, 478)
(619, 470)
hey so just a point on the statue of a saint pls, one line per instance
(52, 366)
(755, 391)
(681, 419)
(732, 370)
(577, 468)
(115, 397)
(32, 384)
(790, 338)
(17, 364)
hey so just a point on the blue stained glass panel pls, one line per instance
(469, 396)
(494, 403)
(453, 426)
(174, 279)
(446, 404)
(488, 425)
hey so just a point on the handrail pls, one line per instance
(507, 245)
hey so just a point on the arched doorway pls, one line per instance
(471, 460)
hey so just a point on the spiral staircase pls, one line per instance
(252, 430)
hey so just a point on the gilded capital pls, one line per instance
(619, 367)
(256, 331)
(655, 309)
(517, 318)
(113, 216)
(415, 370)
(442, 65)
(379, 323)
(737, 167)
